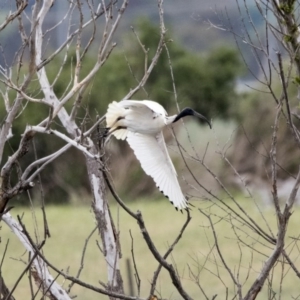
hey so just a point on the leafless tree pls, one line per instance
(29, 65)
(275, 48)
(276, 51)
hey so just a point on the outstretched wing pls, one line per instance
(152, 153)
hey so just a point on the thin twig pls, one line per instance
(82, 258)
(24, 271)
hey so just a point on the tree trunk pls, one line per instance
(109, 238)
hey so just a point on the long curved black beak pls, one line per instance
(190, 112)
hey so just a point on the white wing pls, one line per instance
(152, 153)
(152, 105)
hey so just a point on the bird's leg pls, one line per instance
(107, 133)
(114, 123)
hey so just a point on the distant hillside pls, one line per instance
(187, 19)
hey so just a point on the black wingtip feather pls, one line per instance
(165, 195)
(173, 203)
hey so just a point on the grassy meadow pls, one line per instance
(71, 225)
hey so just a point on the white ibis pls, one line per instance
(141, 124)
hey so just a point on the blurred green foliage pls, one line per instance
(205, 82)
(256, 114)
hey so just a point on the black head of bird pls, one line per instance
(190, 112)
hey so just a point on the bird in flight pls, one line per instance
(141, 124)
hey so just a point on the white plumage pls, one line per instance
(141, 124)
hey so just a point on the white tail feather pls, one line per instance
(114, 112)
(120, 134)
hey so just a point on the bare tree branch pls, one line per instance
(41, 270)
(21, 5)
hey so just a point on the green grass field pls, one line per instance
(70, 226)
